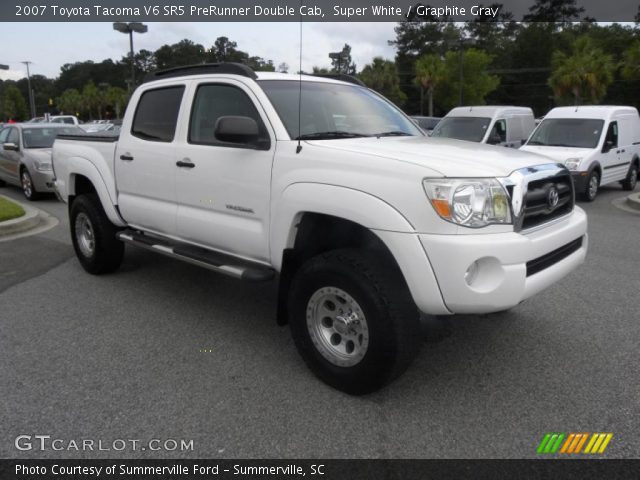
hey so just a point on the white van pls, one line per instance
(506, 126)
(599, 144)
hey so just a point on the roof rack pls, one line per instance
(229, 68)
(342, 77)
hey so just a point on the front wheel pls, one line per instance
(94, 236)
(353, 320)
(28, 188)
(593, 184)
(631, 181)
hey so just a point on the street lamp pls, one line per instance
(2, 67)
(129, 28)
(32, 103)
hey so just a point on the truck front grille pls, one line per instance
(547, 199)
(545, 261)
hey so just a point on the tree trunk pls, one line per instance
(431, 102)
(421, 101)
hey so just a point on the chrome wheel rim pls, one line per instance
(27, 187)
(337, 326)
(84, 235)
(593, 186)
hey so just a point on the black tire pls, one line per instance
(3, 183)
(107, 252)
(629, 183)
(394, 333)
(589, 193)
(28, 188)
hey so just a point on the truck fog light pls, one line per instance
(471, 273)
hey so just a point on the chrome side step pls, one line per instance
(218, 262)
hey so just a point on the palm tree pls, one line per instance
(585, 74)
(70, 101)
(430, 71)
(382, 76)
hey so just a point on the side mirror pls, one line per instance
(10, 146)
(238, 130)
(608, 145)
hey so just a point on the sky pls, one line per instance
(51, 45)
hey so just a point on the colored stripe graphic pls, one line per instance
(572, 443)
(550, 443)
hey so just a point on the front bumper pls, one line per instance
(580, 181)
(42, 181)
(436, 273)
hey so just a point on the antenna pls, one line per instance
(299, 147)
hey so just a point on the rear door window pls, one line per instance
(156, 115)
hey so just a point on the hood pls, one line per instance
(450, 158)
(558, 154)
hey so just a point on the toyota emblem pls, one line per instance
(553, 197)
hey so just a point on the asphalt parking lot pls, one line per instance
(166, 350)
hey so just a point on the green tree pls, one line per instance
(70, 102)
(382, 76)
(476, 84)
(91, 100)
(343, 64)
(430, 71)
(117, 98)
(585, 74)
(185, 52)
(559, 12)
(14, 104)
(631, 62)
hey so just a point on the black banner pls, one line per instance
(318, 469)
(307, 11)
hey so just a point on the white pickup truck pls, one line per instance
(364, 221)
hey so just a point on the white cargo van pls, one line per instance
(599, 144)
(506, 126)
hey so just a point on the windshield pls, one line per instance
(44, 137)
(567, 132)
(472, 129)
(331, 111)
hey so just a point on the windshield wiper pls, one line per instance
(535, 142)
(393, 133)
(328, 135)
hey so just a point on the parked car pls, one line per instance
(366, 225)
(427, 124)
(504, 126)
(66, 119)
(25, 156)
(599, 144)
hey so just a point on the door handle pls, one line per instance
(126, 158)
(622, 151)
(185, 163)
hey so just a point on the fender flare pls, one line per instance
(347, 203)
(83, 167)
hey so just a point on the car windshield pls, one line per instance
(44, 137)
(567, 132)
(472, 129)
(334, 111)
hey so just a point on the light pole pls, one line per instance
(32, 103)
(2, 67)
(129, 28)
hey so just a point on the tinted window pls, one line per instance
(472, 129)
(13, 136)
(215, 101)
(568, 132)
(157, 114)
(3, 135)
(612, 135)
(498, 133)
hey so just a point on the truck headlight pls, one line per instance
(470, 202)
(572, 163)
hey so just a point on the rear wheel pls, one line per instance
(28, 188)
(631, 181)
(353, 320)
(94, 236)
(593, 184)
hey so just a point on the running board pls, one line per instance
(218, 262)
